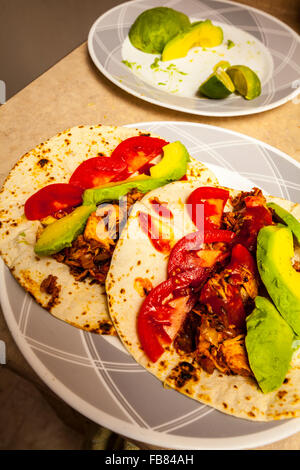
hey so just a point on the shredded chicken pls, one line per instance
(90, 254)
(49, 286)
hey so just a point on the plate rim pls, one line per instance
(157, 102)
(129, 430)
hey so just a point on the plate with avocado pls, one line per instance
(93, 372)
(208, 57)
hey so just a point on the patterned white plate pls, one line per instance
(277, 43)
(96, 376)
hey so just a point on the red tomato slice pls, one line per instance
(131, 155)
(137, 151)
(210, 199)
(188, 252)
(97, 171)
(52, 198)
(164, 311)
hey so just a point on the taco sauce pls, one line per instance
(151, 227)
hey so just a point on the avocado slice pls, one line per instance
(287, 218)
(172, 167)
(275, 249)
(61, 233)
(116, 191)
(173, 164)
(269, 344)
(202, 33)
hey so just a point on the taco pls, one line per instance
(208, 300)
(47, 186)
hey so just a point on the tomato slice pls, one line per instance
(188, 252)
(51, 199)
(222, 293)
(97, 171)
(138, 151)
(210, 199)
(131, 155)
(164, 311)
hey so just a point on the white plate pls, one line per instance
(262, 42)
(97, 377)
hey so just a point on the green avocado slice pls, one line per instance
(287, 218)
(116, 191)
(269, 344)
(275, 249)
(62, 232)
(201, 33)
(173, 164)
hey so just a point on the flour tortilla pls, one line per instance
(79, 303)
(134, 258)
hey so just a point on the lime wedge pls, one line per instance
(245, 81)
(218, 85)
(223, 64)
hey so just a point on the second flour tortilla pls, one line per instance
(136, 258)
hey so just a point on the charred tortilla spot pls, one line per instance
(281, 394)
(42, 162)
(182, 373)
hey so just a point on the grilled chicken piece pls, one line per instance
(235, 355)
(97, 230)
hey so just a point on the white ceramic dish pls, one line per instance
(261, 41)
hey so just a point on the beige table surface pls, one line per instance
(73, 92)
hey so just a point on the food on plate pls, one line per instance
(202, 33)
(269, 344)
(188, 63)
(287, 218)
(61, 233)
(155, 27)
(275, 250)
(64, 204)
(206, 323)
(218, 85)
(221, 83)
(246, 81)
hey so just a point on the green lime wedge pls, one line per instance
(223, 64)
(218, 85)
(245, 81)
